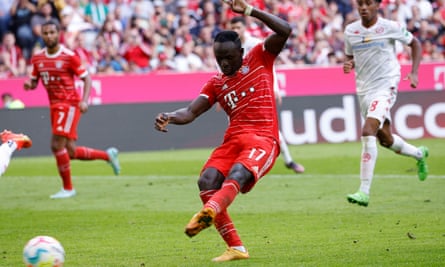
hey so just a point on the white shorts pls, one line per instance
(378, 104)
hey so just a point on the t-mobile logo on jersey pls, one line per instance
(231, 99)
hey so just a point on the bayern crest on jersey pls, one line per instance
(59, 64)
(244, 69)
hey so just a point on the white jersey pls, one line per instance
(373, 49)
(249, 43)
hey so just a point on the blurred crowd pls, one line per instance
(140, 36)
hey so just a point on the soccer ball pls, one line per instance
(43, 251)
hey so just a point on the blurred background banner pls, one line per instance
(303, 120)
(172, 87)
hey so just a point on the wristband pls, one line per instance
(248, 10)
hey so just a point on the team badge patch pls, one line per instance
(366, 39)
(59, 64)
(245, 69)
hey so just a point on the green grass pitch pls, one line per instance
(137, 219)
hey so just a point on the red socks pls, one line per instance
(227, 230)
(64, 167)
(223, 197)
(219, 200)
(86, 153)
(82, 153)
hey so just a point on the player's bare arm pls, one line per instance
(349, 64)
(416, 55)
(275, 42)
(83, 104)
(182, 115)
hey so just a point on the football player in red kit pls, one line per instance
(56, 66)
(244, 90)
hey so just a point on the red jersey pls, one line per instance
(248, 96)
(57, 73)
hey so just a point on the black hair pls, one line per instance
(228, 36)
(52, 22)
(237, 19)
(5, 95)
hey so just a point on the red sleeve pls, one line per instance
(208, 90)
(77, 66)
(259, 51)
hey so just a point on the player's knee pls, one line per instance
(385, 143)
(240, 174)
(210, 179)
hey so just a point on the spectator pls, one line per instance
(122, 11)
(425, 8)
(11, 56)
(56, 7)
(143, 10)
(96, 12)
(86, 54)
(136, 52)
(165, 25)
(10, 103)
(73, 22)
(110, 31)
(44, 14)
(186, 60)
(21, 14)
(5, 16)
(112, 63)
(162, 63)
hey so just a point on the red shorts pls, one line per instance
(256, 153)
(64, 119)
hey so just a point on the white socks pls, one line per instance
(367, 164)
(284, 149)
(240, 248)
(403, 148)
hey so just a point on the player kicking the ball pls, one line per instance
(56, 66)
(244, 90)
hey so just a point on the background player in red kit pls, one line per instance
(57, 66)
(245, 91)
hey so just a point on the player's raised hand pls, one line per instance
(237, 6)
(413, 79)
(161, 122)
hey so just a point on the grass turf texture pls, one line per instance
(138, 218)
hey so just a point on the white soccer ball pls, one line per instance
(43, 251)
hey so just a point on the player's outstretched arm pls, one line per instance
(182, 115)
(276, 41)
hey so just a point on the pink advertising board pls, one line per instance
(172, 87)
